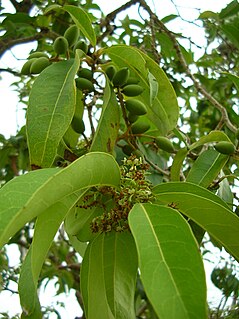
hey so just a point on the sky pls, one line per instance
(12, 117)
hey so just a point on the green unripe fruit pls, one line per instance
(110, 71)
(26, 66)
(127, 149)
(82, 46)
(139, 128)
(85, 73)
(135, 107)
(78, 125)
(120, 77)
(39, 65)
(132, 117)
(132, 80)
(72, 34)
(37, 55)
(60, 45)
(84, 84)
(164, 144)
(225, 147)
(132, 90)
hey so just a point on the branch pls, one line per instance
(111, 17)
(181, 58)
(10, 71)
(8, 44)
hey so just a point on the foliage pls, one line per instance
(118, 179)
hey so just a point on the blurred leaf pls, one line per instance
(231, 9)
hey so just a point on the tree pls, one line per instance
(109, 161)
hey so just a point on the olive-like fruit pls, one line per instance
(37, 55)
(84, 84)
(26, 66)
(164, 144)
(60, 45)
(72, 34)
(110, 71)
(132, 80)
(139, 127)
(39, 65)
(85, 73)
(225, 147)
(82, 46)
(132, 90)
(135, 107)
(120, 77)
(78, 125)
(127, 149)
(132, 117)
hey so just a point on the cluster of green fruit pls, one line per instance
(38, 61)
(129, 87)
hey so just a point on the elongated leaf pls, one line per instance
(92, 169)
(213, 136)
(108, 276)
(170, 264)
(108, 126)
(234, 79)
(82, 20)
(206, 168)
(163, 112)
(50, 110)
(204, 208)
(177, 164)
(45, 229)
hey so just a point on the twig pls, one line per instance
(156, 167)
(181, 58)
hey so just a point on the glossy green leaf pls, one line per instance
(213, 136)
(108, 126)
(164, 111)
(82, 20)
(20, 202)
(231, 31)
(50, 110)
(108, 276)
(170, 263)
(225, 192)
(206, 167)
(206, 209)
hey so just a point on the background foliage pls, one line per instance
(175, 188)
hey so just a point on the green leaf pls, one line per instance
(170, 264)
(108, 126)
(163, 112)
(83, 21)
(108, 276)
(231, 31)
(231, 9)
(177, 164)
(209, 15)
(234, 79)
(213, 136)
(206, 167)
(153, 84)
(50, 110)
(45, 229)
(20, 202)
(206, 209)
